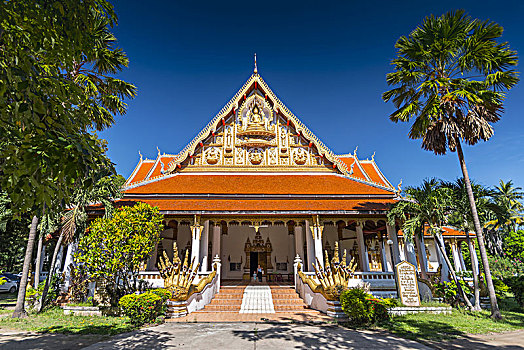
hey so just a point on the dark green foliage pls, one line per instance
(516, 284)
(449, 291)
(165, 295)
(56, 85)
(142, 308)
(13, 236)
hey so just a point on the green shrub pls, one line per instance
(363, 308)
(449, 291)
(378, 310)
(391, 302)
(501, 289)
(142, 308)
(165, 295)
(516, 283)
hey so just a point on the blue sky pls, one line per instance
(326, 60)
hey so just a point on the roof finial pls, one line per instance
(140, 155)
(355, 152)
(255, 70)
(158, 149)
(373, 156)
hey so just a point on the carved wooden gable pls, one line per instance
(256, 132)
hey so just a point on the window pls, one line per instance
(282, 266)
(235, 266)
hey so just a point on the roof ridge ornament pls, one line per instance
(256, 69)
(140, 155)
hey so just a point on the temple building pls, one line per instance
(257, 187)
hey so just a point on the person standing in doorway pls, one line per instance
(259, 273)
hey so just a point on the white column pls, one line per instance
(392, 235)
(296, 263)
(411, 256)
(299, 241)
(42, 259)
(475, 259)
(444, 269)
(290, 249)
(317, 237)
(218, 266)
(362, 249)
(196, 232)
(217, 233)
(456, 258)
(68, 264)
(386, 263)
(422, 257)
(310, 248)
(204, 246)
(461, 256)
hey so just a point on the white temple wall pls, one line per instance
(232, 249)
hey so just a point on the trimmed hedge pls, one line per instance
(362, 307)
(142, 308)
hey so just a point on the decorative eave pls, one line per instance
(234, 103)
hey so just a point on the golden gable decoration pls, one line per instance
(255, 131)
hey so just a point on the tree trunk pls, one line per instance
(453, 275)
(495, 312)
(38, 259)
(19, 311)
(51, 272)
(476, 291)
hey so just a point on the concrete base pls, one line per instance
(82, 310)
(404, 310)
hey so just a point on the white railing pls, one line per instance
(152, 277)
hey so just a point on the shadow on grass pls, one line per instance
(88, 329)
(450, 335)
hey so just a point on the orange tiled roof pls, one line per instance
(447, 231)
(326, 184)
(141, 171)
(372, 172)
(357, 170)
(267, 205)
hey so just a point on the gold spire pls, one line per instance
(255, 70)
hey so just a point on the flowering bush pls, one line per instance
(362, 307)
(165, 295)
(142, 308)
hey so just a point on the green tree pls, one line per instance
(113, 249)
(13, 236)
(73, 221)
(460, 216)
(451, 74)
(506, 214)
(56, 86)
(425, 206)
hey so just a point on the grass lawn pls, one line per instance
(54, 321)
(440, 327)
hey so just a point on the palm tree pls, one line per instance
(451, 75)
(460, 216)
(426, 206)
(507, 207)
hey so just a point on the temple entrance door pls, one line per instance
(262, 261)
(253, 263)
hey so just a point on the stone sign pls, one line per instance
(407, 284)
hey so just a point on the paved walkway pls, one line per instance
(254, 336)
(257, 300)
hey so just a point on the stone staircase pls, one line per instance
(229, 299)
(286, 299)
